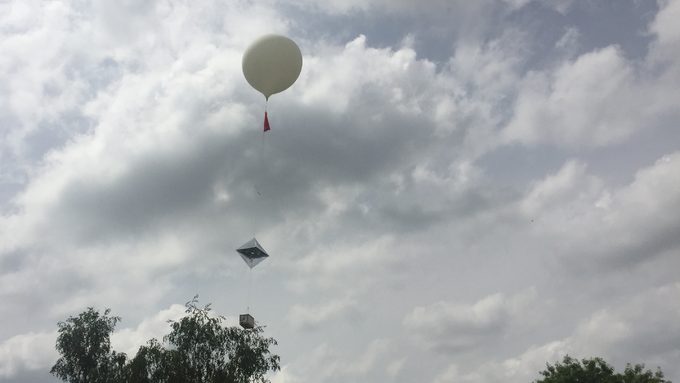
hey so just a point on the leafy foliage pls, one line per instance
(197, 349)
(596, 370)
(202, 350)
(637, 374)
(85, 349)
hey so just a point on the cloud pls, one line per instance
(326, 364)
(601, 97)
(623, 332)
(165, 165)
(458, 11)
(394, 368)
(664, 55)
(571, 186)
(666, 30)
(619, 227)
(584, 102)
(311, 317)
(66, 57)
(28, 351)
(570, 40)
(148, 161)
(284, 376)
(453, 327)
(561, 6)
(453, 8)
(128, 340)
(626, 331)
(330, 265)
(523, 368)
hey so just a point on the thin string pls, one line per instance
(260, 170)
(266, 103)
(250, 287)
(259, 173)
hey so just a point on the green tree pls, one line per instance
(638, 374)
(198, 349)
(85, 349)
(596, 370)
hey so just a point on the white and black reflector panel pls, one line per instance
(252, 253)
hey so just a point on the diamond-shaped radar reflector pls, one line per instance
(252, 253)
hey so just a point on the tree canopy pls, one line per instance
(596, 370)
(199, 348)
(85, 349)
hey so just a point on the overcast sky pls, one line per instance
(452, 191)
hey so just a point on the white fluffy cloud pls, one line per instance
(326, 364)
(27, 352)
(380, 6)
(599, 85)
(307, 317)
(601, 97)
(665, 27)
(641, 329)
(454, 327)
(612, 226)
(128, 340)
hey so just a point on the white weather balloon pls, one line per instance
(272, 64)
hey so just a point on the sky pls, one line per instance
(452, 191)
